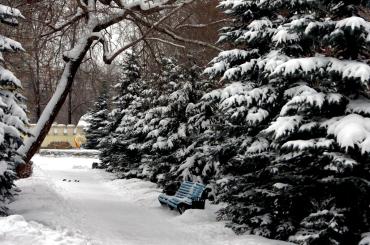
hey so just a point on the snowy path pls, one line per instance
(113, 212)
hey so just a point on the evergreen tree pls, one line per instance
(165, 123)
(146, 122)
(301, 168)
(13, 119)
(152, 136)
(126, 90)
(98, 120)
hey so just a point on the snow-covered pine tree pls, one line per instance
(128, 136)
(147, 129)
(13, 119)
(310, 59)
(165, 124)
(98, 119)
(125, 92)
(152, 134)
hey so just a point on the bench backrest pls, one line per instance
(190, 190)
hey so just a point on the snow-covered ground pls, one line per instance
(67, 202)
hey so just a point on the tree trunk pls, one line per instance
(70, 106)
(33, 143)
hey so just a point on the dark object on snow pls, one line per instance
(95, 165)
(76, 180)
(64, 179)
(24, 170)
(189, 196)
(69, 180)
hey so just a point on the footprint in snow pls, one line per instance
(68, 180)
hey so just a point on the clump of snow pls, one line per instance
(354, 23)
(283, 36)
(283, 125)
(365, 239)
(258, 146)
(144, 5)
(280, 186)
(300, 145)
(350, 131)
(15, 230)
(84, 121)
(340, 162)
(258, 25)
(347, 69)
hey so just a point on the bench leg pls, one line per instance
(182, 208)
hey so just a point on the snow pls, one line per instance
(9, 15)
(360, 106)
(354, 23)
(304, 96)
(259, 25)
(365, 239)
(346, 68)
(280, 185)
(98, 210)
(256, 115)
(283, 125)
(6, 75)
(143, 4)
(3, 167)
(283, 36)
(84, 121)
(7, 44)
(74, 152)
(301, 145)
(350, 131)
(340, 162)
(15, 230)
(258, 146)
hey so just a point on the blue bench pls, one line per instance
(189, 195)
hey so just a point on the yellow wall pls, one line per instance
(64, 133)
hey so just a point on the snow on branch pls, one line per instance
(10, 15)
(144, 4)
(7, 44)
(301, 145)
(183, 26)
(284, 125)
(350, 131)
(354, 23)
(346, 68)
(166, 42)
(360, 106)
